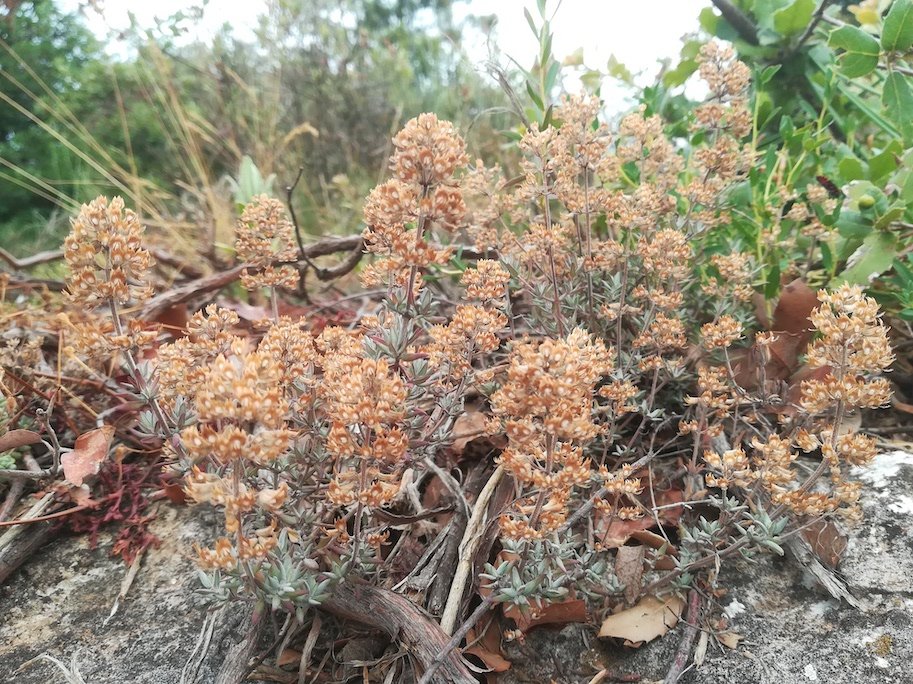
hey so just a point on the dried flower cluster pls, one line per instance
(606, 340)
(105, 253)
(546, 403)
(264, 238)
(422, 194)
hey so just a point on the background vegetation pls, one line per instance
(320, 87)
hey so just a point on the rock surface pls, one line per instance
(59, 604)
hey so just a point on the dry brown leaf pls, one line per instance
(173, 319)
(654, 541)
(488, 647)
(289, 656)
(560, 613)
(729, 639)
(797, 300)
(649, 619)
(469, 426)
(792, 331)
(88, 453)
(826, 541)
(629, 569)
(615, 532)
(18, 438)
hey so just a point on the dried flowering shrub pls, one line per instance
(607, 339)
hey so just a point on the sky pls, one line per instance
(639, 33)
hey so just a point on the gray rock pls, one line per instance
(793, 632)
(59, 603)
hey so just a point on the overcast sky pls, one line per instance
(638, 32)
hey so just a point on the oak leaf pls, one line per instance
(88, 453)
(649, 619)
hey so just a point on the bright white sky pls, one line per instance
(638, 32)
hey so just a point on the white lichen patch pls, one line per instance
(736, 607)
(883, 468)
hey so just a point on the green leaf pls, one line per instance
(551, 77)
(529, 20)
(870, 113)
(251, 182)
(769, 72)
(871, 259)
(904, 274)
(893, 213)
(793, 19)
(618, 70)
(861, 50)
(852, 224)
(897, 35)
(534, 97)
(708, 20)
(827, 257)
(680, 74)
(772, 286)
(851, 169)
(591, 80)
(787, 128)
(883, 163)
(898, 102)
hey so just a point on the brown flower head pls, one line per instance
(264, 236)
(105, 254)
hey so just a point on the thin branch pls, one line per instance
(738, 20)
(468, 547)
(810, 29)
(684, 648)
(33, 260)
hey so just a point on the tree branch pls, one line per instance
(403, 621)
(738, 20)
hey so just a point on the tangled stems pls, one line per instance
(143, 388)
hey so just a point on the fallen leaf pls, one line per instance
(629, 569)
(289, 656)
(557, 613)
(792, 331)
(173, 319)
(175, 493)
(18, 438)
(700, 650)
(649, 619)
(466, 428)
(729, 639)
(827, 542)
(487, 647)
(88, 453)
(613, 532)
(797, 300)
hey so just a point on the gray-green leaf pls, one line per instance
(898, 102)
(897, 35)
(861, 50)
(874, 257)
